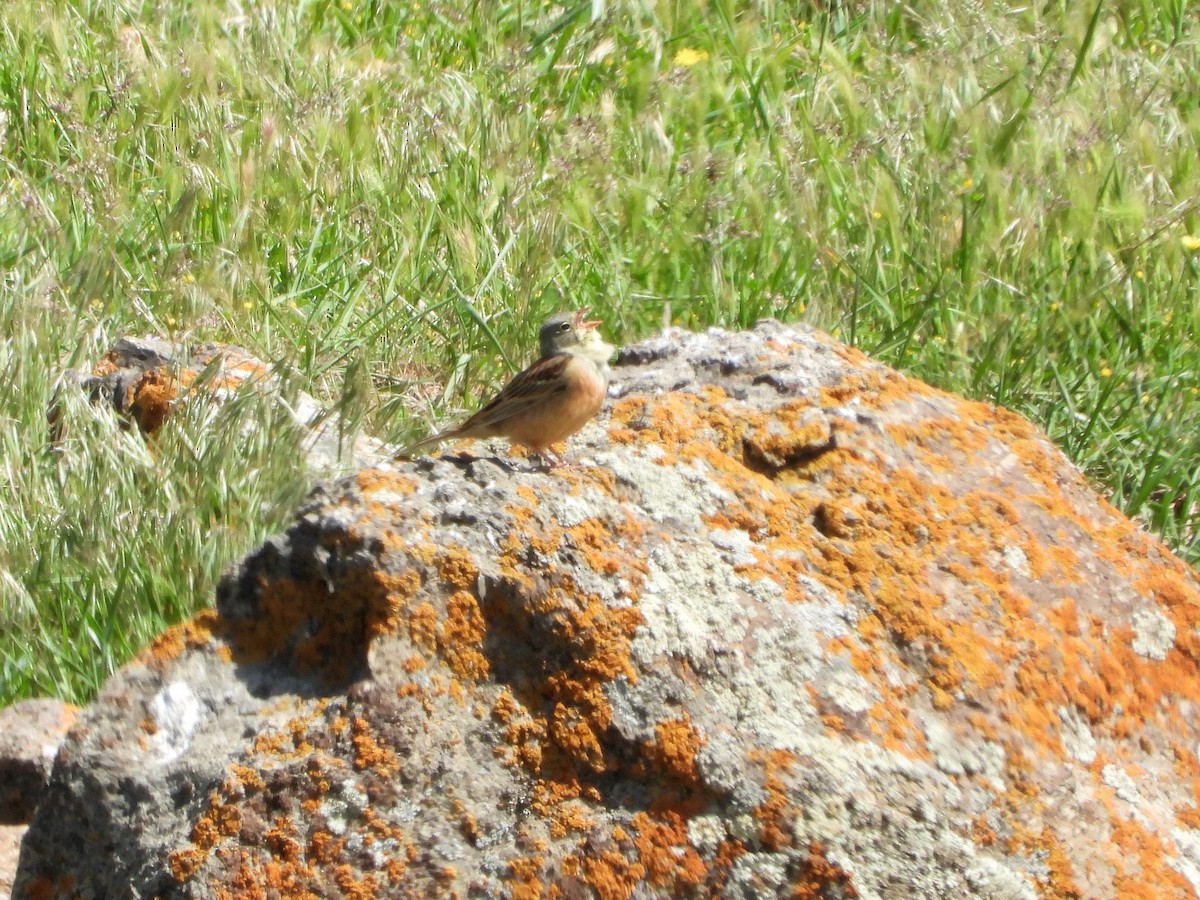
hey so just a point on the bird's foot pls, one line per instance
(551, 460)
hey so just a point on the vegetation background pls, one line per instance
(383, 198)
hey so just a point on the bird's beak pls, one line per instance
(582, 322)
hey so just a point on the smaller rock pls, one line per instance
(30, 732)
(10, 849)
(145, 380)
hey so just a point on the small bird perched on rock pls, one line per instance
(551, 399)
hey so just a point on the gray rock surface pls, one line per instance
(795, 625)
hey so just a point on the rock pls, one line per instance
(796, 625)
(10, 846)
(30, 732)
(146, 379)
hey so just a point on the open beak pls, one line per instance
(582, 322)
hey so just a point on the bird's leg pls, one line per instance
(551, 459)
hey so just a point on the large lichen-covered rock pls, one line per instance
(794, 625)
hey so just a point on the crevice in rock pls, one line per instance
(557, 672)
(770, 464)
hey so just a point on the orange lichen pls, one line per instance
(365, 888)
(1143, 872)
(608, 873)
(194, 634)
(524, 881)
(369, 753)
(227, 830)
(568, 707)
(460, 637)
(282, 840)
(1189, 817)
(423, 626)
(654, 850)
(456, 567)
(558, 802)
(374, 481)
(527, 536)
(221, 820)
(775, 813)
(595, 540)
(665, 853)
(1022, 808)
(672, 753)
(819, 878)
(679, 421)
(982, 832)
(152, 399)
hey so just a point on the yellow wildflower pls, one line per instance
(689, 56)
(1106, 372)
(1191, 242)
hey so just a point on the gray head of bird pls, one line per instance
(571, 332)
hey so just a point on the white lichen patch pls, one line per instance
(1188, 862)
(344, 806)
(988, 878)
(785, 660)
(958, 755)
(176, 712)
(758, 875)
(1016, 560)
(847, 690)
(706, 833)
(1122, 784)
(571, 510)
(1077, 738)
(688, 598)
(665, 494)
(735, 543)
(1153, 634)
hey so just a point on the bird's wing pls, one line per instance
(540, 382)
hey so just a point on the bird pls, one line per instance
(548, 401)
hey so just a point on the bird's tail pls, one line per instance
(432, 441)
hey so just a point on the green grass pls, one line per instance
(381, 197)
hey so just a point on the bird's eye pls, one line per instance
(564, 326)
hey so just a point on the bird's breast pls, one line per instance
(587, 386)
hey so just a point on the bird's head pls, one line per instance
(572, 332)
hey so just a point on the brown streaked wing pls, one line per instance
(531, 387)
